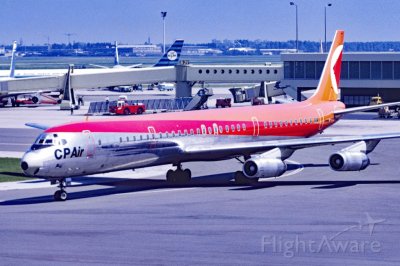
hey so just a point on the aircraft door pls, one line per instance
(320, 118)
(256, 126)
(89, 143)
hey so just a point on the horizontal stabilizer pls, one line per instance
(364, 108)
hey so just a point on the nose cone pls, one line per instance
(30, 164)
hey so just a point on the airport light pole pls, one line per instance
(163, 15)
(328, 5)
(297, 27)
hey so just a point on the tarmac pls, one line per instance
(312, 215)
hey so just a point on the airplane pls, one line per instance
(169, 58)
(264, 136)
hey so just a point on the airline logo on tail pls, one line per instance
(328, 86)
(171, 57)
(335, 68)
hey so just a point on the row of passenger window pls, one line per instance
(215, 129)
(237, 71)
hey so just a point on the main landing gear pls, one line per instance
(179, 175)
(61, 194)
(241, 179)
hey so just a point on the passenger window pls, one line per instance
(221, 129)
(260, 71)
(127, 139)
(191, 132)
(200, 71)
(198, 131)
(265, 124)
(230, 71)
(208, 71)
(245, 71)
(244, 126)
(185, 132)
(271, 124)
(237, 71)
(227, 129)
(280, 123)
(238, 127)
(233, 128)
(215, 71)
(179, 133)
(209, 130)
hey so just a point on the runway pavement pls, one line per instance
(315, 216)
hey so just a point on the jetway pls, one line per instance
(185, 75)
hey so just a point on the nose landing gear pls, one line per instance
(179, 175)
(61, 194)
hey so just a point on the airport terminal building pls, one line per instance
(363, 75)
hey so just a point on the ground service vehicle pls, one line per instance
(223, 102)
(125, 108)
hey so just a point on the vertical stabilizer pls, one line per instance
(116, 56)
(171, 56)
(328, 86)
(12, 65)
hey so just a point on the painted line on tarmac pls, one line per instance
(160, 190)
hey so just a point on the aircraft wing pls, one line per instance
(239, 148)
(99, 66)
(37, 126)
(364, 108)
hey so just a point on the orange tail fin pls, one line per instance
(328, 86)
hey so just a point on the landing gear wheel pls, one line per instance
(170, 176)
(60, 195)
(241, 179)
(179, 176)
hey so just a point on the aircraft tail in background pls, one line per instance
(172, 55)
(328, 86)
(116, 56)
(12, 65)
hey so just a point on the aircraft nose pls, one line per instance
(30, 164)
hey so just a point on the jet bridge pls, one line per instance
(185, 75)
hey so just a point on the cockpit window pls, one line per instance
(44, 140)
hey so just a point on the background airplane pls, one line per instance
(264, 136)
(169, 58)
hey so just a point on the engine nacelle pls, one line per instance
(348, 161)
(260, 167)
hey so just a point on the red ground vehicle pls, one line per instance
(224, 102)
(124, 108)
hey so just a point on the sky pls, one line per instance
(195, 21)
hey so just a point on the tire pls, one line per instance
(127, 111)
(187, 175)
(63, 195)
(139, 111)
(170, 176)
(57, 195)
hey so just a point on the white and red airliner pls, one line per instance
(265, 136)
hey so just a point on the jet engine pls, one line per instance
(260, 167)
(348, 161)
(35, 99)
